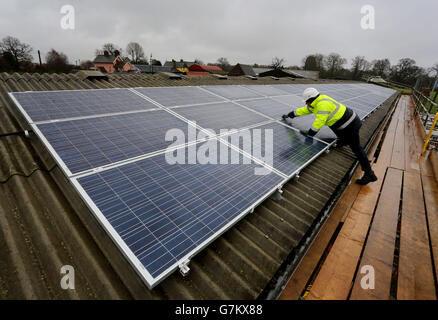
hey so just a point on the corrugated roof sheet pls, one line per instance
(44, 224)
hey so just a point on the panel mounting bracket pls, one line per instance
(277, 195)
(184, 268)
(297, 176)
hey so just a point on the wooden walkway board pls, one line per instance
(430, 187)
(379, 248)
(415, 278)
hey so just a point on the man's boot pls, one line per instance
(367, 178)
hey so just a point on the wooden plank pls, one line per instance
(336, 275)
(379, 247)
(398, 152)
(415, 276)
(412, 146)
(430, 187)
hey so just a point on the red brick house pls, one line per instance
(110, 63)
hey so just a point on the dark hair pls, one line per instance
(310, 100)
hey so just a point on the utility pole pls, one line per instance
(39, 57)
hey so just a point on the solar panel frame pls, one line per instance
(133, 259)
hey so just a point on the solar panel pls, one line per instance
(268, 107)
(179, 96)
(161, 214)
(218, 116)
(266, 90)
(84, 144)
(233, 92)
(291, 150)
(51, 105)
(111, 144)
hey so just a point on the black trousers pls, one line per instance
(350, 136)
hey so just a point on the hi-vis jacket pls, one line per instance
(327, 111)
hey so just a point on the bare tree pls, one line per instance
(381, 67)
(406, 71)
(198, 61)
(334, 64)
(359, 66)
(135, 50)
(314, 62)
(19, 51)
(87, 64)
(277, 63)
(110, 47)
(223, 63)
(57, 61)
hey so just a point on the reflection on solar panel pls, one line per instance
(161, 213)
(291, 149)
(90, 143)
(233, 92)
(158, 213)
(179, 96)
(50, 105)
(218, 116)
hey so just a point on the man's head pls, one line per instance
(309, 95)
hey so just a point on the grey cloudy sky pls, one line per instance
(246, 31)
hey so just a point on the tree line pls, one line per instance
(17, 56)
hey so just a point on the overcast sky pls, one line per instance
(245, 31)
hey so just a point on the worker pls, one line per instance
(342, 120)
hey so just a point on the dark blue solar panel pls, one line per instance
(221, 116)
(290, 149)
(89, 143)
(233, 92)
(164, 212)
(269, 107)
(42, 106)
(266, 90)
(179, 96)
(291, 88)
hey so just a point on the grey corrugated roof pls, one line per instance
(44, 224)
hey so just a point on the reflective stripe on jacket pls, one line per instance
(327, 111)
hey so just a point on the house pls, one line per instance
(182, 66)
(202, 70)
(111, 63)
(281, 73)
(242, 70)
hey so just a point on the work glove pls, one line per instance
(304, 132)
(289, 115)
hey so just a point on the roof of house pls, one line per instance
(44, 224)
(178, 64)
(101, 58)
(147, 68)
(242, 69)
(203, 68)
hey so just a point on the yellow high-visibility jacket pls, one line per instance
(327, 111)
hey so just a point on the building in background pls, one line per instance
(242, 70)
(110, 63)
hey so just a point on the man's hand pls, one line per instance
(289, 115)
(304, 132)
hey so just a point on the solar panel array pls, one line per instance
(113, 146)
